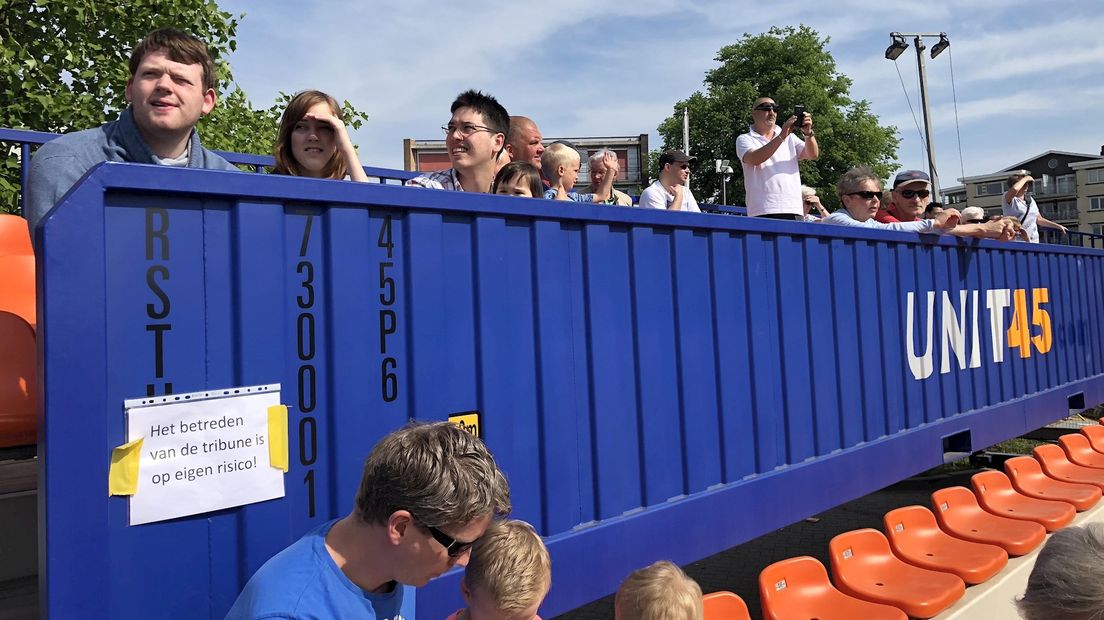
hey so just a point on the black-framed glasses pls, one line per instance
(466, 129)
(768, 107)
(452, 546)
(866, 195)
(912, 193)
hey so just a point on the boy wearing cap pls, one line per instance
(769, 155)
(670, 190)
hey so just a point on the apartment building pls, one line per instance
(1069, 189)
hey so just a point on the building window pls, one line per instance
(1066, 184)
(1098, 229)
(991, 189)
(1096, 203)
(1095, 175)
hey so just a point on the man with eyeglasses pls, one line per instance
(474, 137)
(670, 191)
(859, 190)
(427, 494)
(910, 201)
(769, 155)
(908, 198)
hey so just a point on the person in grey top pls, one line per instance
(171, 85)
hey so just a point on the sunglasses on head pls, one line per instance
(912, 193)
(452, 546)
(866, 195)
(768, 107)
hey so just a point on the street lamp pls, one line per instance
(896, 47)
(725, 171)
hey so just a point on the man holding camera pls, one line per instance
(769, 156)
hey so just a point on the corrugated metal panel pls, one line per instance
(727, 376)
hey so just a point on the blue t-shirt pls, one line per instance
(304, 582)
(550, 194)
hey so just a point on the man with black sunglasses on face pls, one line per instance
(671, 190)
(428, 492)
(769, 155)
(911, 199)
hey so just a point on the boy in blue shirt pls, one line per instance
(410, 524)
(560, 165)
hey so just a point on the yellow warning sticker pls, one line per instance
(468, 421)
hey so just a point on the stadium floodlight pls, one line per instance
(897, 47)
(943, 44)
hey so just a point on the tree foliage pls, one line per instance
(63, 67)
(792, 66)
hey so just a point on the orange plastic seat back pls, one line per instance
(1056, 465)
(996, 495)
(725, 606)
(1095, 435)
(863, 566)
(17, 286)
(1028, 478)
(1078, 450)
(18, 419)
(799, 588)
(15, 237)
(960, 515)
(916, 538)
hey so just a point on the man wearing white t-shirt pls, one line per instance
(769, 156)
(670, 190)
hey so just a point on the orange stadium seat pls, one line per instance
(995, 494)
(1095, 435)
(725, 606)
(1056, 465)
(17, 286)
(916, 538)
(1028, 478)
(959, 515)
(864, 566)
(15, 238)
(18, 419)
(1078, 450)
(799, 588)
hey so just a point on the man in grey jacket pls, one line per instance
(171, 85)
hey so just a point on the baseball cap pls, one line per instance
(675, 157)
(911, 177)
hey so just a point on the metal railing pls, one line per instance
(27, 139)
(1072, 238)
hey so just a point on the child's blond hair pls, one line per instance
(659, 592)
(557, 154)
(510, 564)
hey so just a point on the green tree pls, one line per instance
(63, 67)
(792, 66)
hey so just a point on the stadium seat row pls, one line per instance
(925, 560)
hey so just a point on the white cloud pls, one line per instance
(616, 68)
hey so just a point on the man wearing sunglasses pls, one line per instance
(910, 195)
(475, 137)
(769, 155)
(670, 190)
(428, 492)
(910, 201)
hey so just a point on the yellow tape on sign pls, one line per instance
(468, 421)
(278, 437)
(122, 477)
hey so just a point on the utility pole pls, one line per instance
(686, 130)
(894, 50)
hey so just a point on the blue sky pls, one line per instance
(1029, 77)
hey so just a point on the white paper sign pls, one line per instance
(202, 451)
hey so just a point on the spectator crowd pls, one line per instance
(431, 496)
